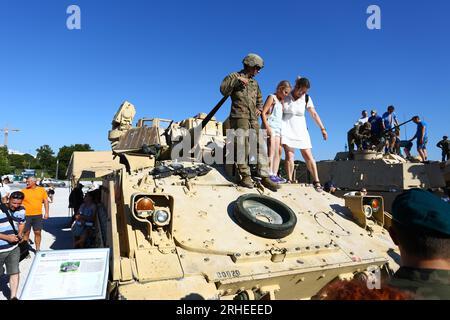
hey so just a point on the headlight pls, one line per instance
(144, 207)
(375, 204)
(161, 218)
(367, 211)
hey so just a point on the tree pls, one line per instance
(46, 159)
(21, 161)
(64, 155)
(4, 162)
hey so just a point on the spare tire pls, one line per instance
(264, 216)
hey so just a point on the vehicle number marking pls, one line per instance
(228, 274)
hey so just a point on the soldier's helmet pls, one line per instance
(253, 60)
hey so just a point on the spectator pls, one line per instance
(9, 249)
(444, 145)
(51, 193)
(329, 187)
(422, 138)
(363, 192)
(408, 146)
(83, 229)
(76, 199)
(421, 229)
(389, 122)
(376, 128)
(294, 132)
(5, 190)
(364, 118)
(272, 116)
(34, 198)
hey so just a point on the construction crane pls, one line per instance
(6, 131)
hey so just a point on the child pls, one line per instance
(271, 117)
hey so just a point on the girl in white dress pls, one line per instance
(272, 115)
(294, 133)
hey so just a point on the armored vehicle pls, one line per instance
(384, 175)
(182, 229)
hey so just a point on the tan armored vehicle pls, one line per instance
(183, 229)
(384, 175)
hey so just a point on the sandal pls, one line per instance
(317, 186)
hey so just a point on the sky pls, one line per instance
(168, 58)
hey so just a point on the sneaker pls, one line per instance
(269, 184)
(274, 179)
(246, 182)
(281, 180)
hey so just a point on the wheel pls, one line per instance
(264, 216)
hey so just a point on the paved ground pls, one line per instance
(55, 235)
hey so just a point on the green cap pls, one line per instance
(422, 210)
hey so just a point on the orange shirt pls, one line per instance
(33, 200)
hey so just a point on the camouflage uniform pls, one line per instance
(429, 284)
(445, 146)
(421, 213)
(359, 135)
(245, 101)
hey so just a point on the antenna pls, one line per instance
(406, 136)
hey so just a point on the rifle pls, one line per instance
(395, 127)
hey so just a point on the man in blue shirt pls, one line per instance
(389, 122)
(376, 128)
(422, 138)
(9, 249)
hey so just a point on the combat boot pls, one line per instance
(269, 184)
(246, 182)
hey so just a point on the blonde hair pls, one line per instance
(283, 84)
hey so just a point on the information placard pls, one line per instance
(76, 274)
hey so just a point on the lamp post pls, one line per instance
(57, 165)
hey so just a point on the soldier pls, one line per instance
(421, 229)
(246, 105)
(444, 145)
(359, 135)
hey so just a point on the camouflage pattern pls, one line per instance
(245, 100)
(424, 284)
(262, 161)
(357, 135)
(445, 146)
(253, 60)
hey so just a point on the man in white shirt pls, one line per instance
(5, 190)
(364, 118)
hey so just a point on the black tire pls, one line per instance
(249, 222)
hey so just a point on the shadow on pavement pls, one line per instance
(59, 229)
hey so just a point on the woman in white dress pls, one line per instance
(294, 133)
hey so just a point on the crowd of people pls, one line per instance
(87, 208)
(382, 133)
(21, 212)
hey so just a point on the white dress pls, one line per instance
(294, 132)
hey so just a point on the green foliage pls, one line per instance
(5, 168)
(46, 159)
(64, 155)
